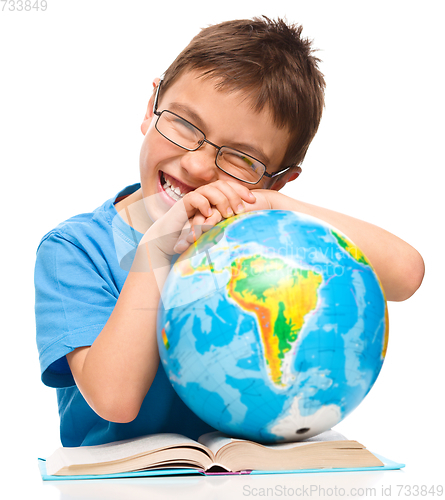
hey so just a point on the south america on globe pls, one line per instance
(273, 326)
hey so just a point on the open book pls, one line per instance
(215, 452)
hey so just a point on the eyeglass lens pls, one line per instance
(186, 135)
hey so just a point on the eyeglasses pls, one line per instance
(187, 136)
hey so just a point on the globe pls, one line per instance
(273, 326)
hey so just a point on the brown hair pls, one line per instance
(271, 63)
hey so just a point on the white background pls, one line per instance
(75, 82)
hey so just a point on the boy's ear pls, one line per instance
(149, 113)
(284, 180)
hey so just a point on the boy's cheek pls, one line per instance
(155, 149)
(149, 154)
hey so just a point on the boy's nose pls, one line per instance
(200, 164)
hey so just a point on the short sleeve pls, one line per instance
(74, 299)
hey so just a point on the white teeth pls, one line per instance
(174, 193)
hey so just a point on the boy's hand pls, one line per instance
(197, 212)
(227, 199)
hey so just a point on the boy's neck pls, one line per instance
(132, 210)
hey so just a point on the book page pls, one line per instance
(117, 450)
(329, 435)
(216, 440)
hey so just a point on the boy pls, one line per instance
(224, 131)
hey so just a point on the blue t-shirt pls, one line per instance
(80, 269)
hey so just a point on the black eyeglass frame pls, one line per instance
(218, 148)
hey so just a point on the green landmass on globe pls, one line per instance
(280, 296)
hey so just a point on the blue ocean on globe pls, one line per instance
(273, 326)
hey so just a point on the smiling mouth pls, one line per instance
(173, 188)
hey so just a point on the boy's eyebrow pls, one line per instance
(195, 119)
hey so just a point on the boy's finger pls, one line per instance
(237, 195)
(196, 231)
(193, 234)
(224, 197)
(194, 201)
(244, 192)
(181, 246)
(212, 220)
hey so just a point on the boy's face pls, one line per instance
(227, 120)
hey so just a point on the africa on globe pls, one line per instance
(273, 326)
